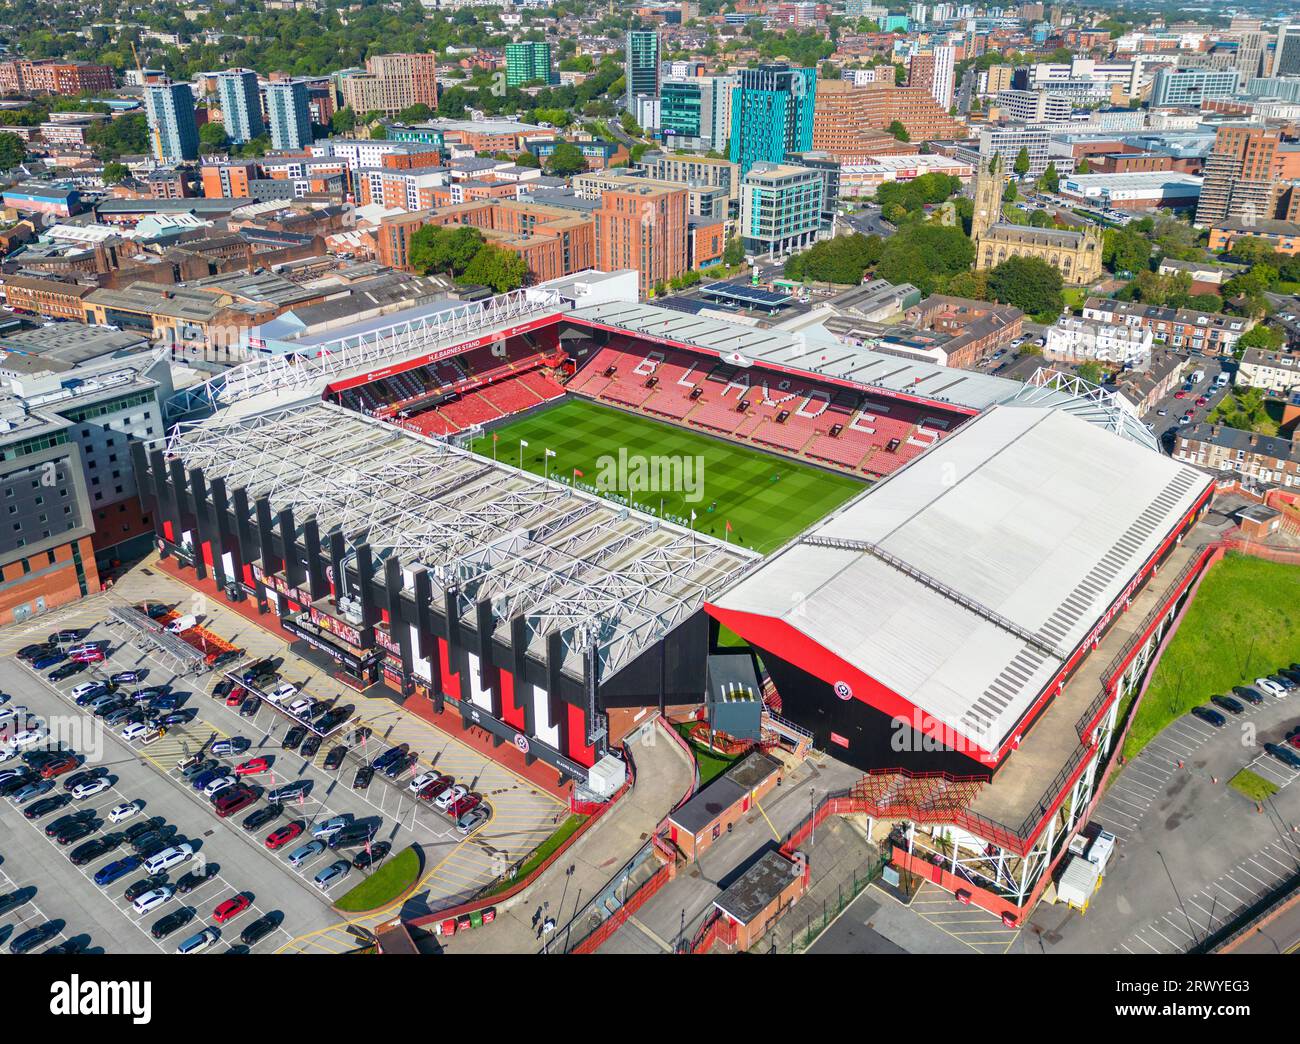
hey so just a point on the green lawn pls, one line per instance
(384, 885)
(767, 499)
(1244, 622)
(711, 764)
(1255, 787)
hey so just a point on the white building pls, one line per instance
(1085, 340)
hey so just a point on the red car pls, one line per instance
(231, 909)
(236, 697)
(1180, 394)
(252, 767)
(58, 768)
(462, 805)
(435, 787)
(1202, 401)
(281, 836)
(88, 656)
(232, 800)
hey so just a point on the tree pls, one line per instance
(923, 254)
(844, 259)
(115, 172)
(343, 121)
(496, 267)
(527, 159)
(734, 253)
(1267, 338)
(567, 159)
(1021, 166)
(444, 248)
(899, 131)
(417, 113)
(1091, 372)
(1125, 250)
(1030, 284)
(213, 138)
(1083, 166)
(12, 151)
(1051, 178)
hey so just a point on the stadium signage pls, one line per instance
(844, 690)
(338, 628)
(278, 583)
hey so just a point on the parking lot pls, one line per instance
(1192, 852)
(456, 866)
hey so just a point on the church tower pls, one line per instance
(989, 186)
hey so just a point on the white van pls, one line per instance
(1221, 380)
(182, 623)
(168, 858)
(1197, 376)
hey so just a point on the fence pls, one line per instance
(591, 943)
(832, 908)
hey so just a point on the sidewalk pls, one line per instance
(664, 773)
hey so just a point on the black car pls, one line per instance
(365, 860)
(352, 835)
(1290, 674)
(229, 656)
(259, 929)
(74, 832)
(135, 831)
(1248, 694)
(35, 652)
(67, 670)
(12, 786)
(400, 764)
(39, 809)
(256, 668)
(1284, 754)
(363, 777)
(82, 816)
(389, 756)
(334, 718)
(149, 693)
(164, 926)
(250, 706)
(194, 878)
(71, 634)
(180, 717)
(310, 746)
(154, 842)
(335, 757)
(117, 703)
(293, 738)
(317, 708)
(145, 884)
(222, 689)
(28, 941)
(1210, 716)
(128, 677)
(94, 849)
(200, 767)
(38, 759)
(91, 695)
(1228, 703)
(259, 819)
(13, 900)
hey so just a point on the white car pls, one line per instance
(451, 794)
(78, 691)
(1271, 687)
(153, 898)
(199, 942)
(13, 714)
(121, 813)
(134, 731)
(168, 858)
(418, 783)
(281, 693)
(299, 706)
(217, 785)
(90, 788)
(28, 737)
(330, 827)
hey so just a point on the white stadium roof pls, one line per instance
(963, 582)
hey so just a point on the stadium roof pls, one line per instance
(567, 561)
(960, 586)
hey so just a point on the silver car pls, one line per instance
(332, 874)
(308, 851)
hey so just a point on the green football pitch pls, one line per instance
(766, 499)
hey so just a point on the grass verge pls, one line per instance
(541, 853)
(1255, 787)
(383, 886)
(711, 764)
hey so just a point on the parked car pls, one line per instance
(32, 791)
(33, 938)
(59, 766)
(250, 706)
(327, 828)
(293, 738)
(1284, 754)
(231, 908)
(310, 746)
(42, 808)
(153, 899)
(1248, 694)
(1271, 687)
(223, 689)
(364, 860)
(472, 819)
(68, 670)
(451, 794)
(94, 848)
(225, 747)
(259, 929)
(169, 858)
(216, 786)
(363, 777)
(232, 800)
(335, 757)
(138, 888)
(195, 878)
(90, 788)
(1228, 703)
(138, 830)
(462, 805)
(261, 817)
(305, 852)
(116, 870)
(194, 769)
(290, 791)
(67, 635)
(127, 677)
(199, 941)
(352, 835)
(332, 874)
(1210, 716)
(53, 829)
(256, 668)
(84, 776)
(252, 767)
(282, 835)
(177, 919)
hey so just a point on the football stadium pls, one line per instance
(537, 514)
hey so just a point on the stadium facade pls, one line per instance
(961, 631)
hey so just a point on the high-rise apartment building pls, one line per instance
(175, 131)
(642, 64)
(1244, 173)
(1190, 87)
(528, 62)
(391, 83)
(695, 111)
(848, 120)
(780, 208)
(772, 114)
(643, 227)
(241, 106)
(1286, 54)
(289, 113)
(933, 71)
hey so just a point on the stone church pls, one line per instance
(1076, 254)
